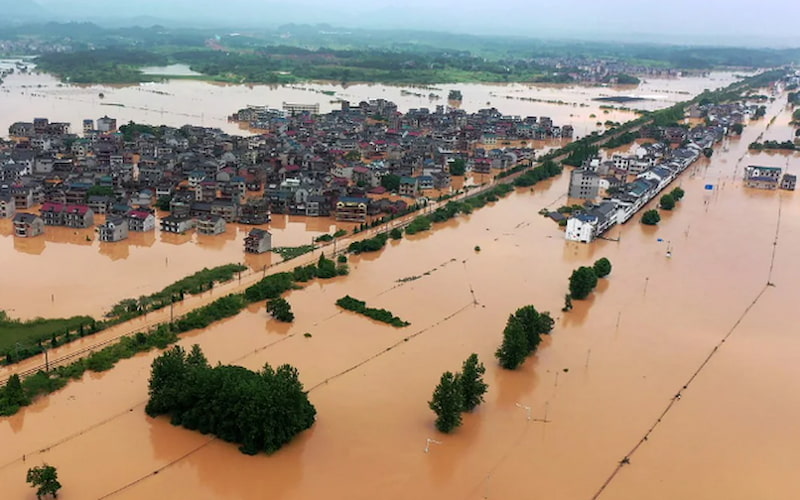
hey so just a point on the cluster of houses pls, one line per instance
(630, 182)
(301, 163)
(760, 177)
(590, 70)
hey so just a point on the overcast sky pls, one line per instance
(776, 22)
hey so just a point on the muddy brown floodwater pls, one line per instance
(606, 377)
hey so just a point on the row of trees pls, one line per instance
(584, 279)
(669, 200)
(522, 335)
(261, 411)
(546, 170)
(360, 307)
(458, 393)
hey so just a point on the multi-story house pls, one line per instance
(141, 221)
(177, 224)
(28, 225)
(210, 224)
(352, 209)
(258, 241)
(114, 229)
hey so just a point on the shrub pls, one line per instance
(581, 283)
(360, 307)
(602, 267)
(667, 202)
(280, 309)
(651, 218)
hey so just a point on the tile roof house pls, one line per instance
(258, 241)
(28, 225)
(114, 229)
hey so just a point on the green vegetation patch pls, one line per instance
(262, 411)
(289, 253)
(360, 307)
(198, 282)
(36, 330)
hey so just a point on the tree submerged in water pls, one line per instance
(582, 282)
(45, 479)
(457, 393)
(522, 335)
(447, 402)
(651, 218)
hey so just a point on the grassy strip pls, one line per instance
(37, 331)
(198, 282)
(544, 171)
(360, 307)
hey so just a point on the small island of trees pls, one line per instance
(261, 411)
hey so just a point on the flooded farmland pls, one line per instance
(703, 324)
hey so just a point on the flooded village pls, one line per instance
(645, 390)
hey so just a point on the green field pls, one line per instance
(31, 332)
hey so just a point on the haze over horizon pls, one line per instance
(769, 23)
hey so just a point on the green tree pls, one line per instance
(447, 402)
(12, 396)
(458, 167)
(514, 348)
(326, 268)
(391, 182)
(651, 218)
(737, 128)
(280, 309)
(353, 155)
(667, 202)
(708, 152)
(602, 267)
(196, 358)
(396, 233)
(472, 385)
(582, 282)
(45, 479)
(163, 203)
(677, 194)
(534, 324)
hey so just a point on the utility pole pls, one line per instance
(428, 444)
(526, 408)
